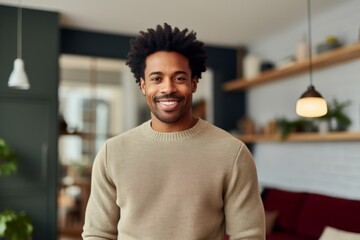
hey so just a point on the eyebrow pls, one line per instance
(160, 73)
(155, 73)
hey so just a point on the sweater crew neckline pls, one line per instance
(172, 136)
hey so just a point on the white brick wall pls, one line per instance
(330, 168)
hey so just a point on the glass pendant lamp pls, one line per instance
(311, 103)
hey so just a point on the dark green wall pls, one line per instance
(29, 118)
(228, 106)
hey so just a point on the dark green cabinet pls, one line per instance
(29, 118)
(23, 119)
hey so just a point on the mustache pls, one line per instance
(167, 96)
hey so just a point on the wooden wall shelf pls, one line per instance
(333, 57)
(302, 137)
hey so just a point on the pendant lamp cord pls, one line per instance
(19, 26)
(309, 40)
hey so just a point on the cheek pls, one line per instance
(149, 95)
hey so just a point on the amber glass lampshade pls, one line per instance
(311, 104)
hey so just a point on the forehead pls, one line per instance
(166, 61)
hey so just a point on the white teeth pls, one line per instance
(168, 103)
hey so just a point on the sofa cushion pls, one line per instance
(288, 204)
(336, 234)
(320, 211)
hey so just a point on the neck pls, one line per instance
(182, 125)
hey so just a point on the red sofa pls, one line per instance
(303, 216)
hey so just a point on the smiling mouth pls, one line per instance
(168, 104)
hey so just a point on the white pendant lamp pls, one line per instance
(311, 103)
(18, 78)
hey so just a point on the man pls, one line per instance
(175, 177)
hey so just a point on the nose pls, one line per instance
(168, 86)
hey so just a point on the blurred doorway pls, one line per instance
(98, 99)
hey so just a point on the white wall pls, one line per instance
(330, 168)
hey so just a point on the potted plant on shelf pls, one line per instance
(335, 118)
(13, 225)
(298, 125)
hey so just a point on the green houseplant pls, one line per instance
(298, 125)
(13, 225)
(8, 159)
(336, 118)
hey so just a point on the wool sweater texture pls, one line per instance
(196, 184)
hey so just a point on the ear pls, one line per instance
(194, 82)
(142, 85)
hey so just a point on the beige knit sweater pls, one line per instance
(188, 185)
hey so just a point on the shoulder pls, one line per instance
(220, 140)
(126, 136)
(118, 147)
(216, 133)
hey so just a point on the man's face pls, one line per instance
(168, 88)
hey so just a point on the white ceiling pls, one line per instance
(228, 22)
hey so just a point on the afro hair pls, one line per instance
(166, 38)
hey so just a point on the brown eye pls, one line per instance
(180, 79)
(155, 79)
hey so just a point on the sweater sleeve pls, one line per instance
(244, 212)
(102, 213)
